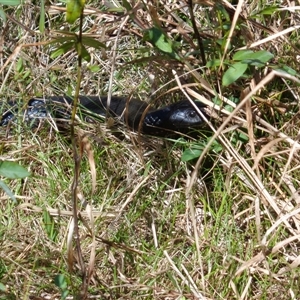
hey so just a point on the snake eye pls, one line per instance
(192, 114)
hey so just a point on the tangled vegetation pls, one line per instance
(209, 217)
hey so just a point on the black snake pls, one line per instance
(136, 114)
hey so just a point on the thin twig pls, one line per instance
(198, 37)
(77, 161)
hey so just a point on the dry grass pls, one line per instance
(225, 226)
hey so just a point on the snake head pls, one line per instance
(178, 117)
(184, 115)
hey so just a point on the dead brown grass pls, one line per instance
(153, 229)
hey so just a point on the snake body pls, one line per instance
(138, 115)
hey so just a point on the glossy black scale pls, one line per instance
(138, 115)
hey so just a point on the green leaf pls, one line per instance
(243, 137)
(263, 56)
(196, 149)
(222, 10)
(249, 57)
(3, 287)
(83, 51)
(63, 40)
(49, 225)
(70, 91)
(218, 101)
(94, 68)
(234, 72)
(91, 42)
(239, 136)
(19, 65)
(26, 74)
(64, 294)
(193, 152)
(74, 10)
(85, 54)
(127, 5)
(228, 108)
(63, 49)
(12, 170)
(217, 147)
(53, 78)
(243, 54)
(116, 9)
(10, 2)
(254, 63)
(61, 282)
(190, 154)
(2, 15)
(42, 17)
(7, 190)
(213, 63)
(268, 10)
(285, 69)
(161, 41)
